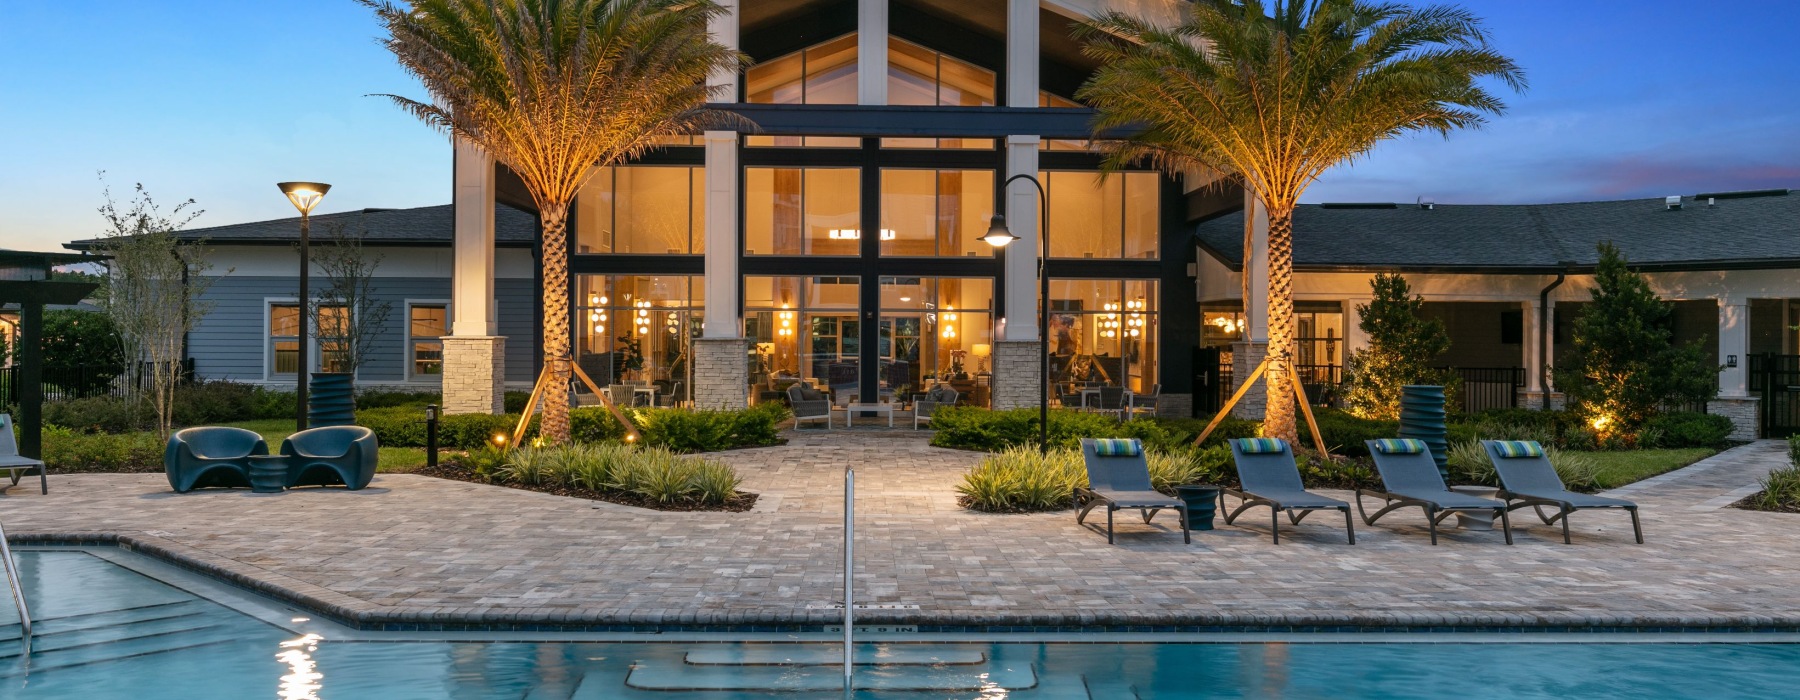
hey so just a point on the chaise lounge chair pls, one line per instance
(1410, 477)
(1119, 479)
(1526, 476)
(339, 454)
(1269, 477)
(211, 456)
(13, 462)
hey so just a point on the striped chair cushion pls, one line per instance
(1122, 447)
(1265, 445)
(1391, 446)
(1518, 448)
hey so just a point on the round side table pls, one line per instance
(268, 473)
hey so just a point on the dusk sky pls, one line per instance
(217, 100)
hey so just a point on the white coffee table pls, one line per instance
(855, 408)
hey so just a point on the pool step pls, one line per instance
(822, 678)
(42, 627)
(813, 655)
(90, 638)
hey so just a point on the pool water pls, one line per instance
(108, 631)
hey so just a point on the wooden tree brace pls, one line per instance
(546, 378)
(1299, 395)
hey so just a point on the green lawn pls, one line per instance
(1621, 468)
(393, 459)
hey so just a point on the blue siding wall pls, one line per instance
(518, 322)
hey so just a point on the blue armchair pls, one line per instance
(211, 456)
(339, 454)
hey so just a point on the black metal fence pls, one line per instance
(61, 383)
(1486, 388)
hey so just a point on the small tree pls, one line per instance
(347, 312)
(154, 290)
(81, 351)
(1402, 345)
(1626, 364)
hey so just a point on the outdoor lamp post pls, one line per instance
(998, 236)
(305, 196)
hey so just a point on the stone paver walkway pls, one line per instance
(413, 548)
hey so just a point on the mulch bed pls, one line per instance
(456, 472)
(1751, 503)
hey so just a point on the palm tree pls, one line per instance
(553, 90)
(1275, 94)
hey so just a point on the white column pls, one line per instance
(1256, 266)
(1533, 313)
(871, 52)
(1022, 205)
(721, 236)
(724, 29)
(472, 275)
(1022, 53)
(1354, 337)
(1734, 340)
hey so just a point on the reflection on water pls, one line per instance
(302, 681)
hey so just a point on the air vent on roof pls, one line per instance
(376, 210)
(1673, 201)
(1359, 205)
(1427, 203)
(1742, 194)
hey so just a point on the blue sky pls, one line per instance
(219, 99)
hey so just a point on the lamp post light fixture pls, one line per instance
(999, 236)
(305, 196)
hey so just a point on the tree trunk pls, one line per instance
(1278, 414)
(555, 427)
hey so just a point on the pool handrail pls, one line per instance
(18, 591)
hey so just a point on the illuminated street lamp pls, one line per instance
(999, 237)
(305, 196)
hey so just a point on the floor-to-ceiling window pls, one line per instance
(639, 329)
(937, 330)
(1103, 333)
(803, 330)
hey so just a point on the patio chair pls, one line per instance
(623, 395)
(1409, 477)
(1119, 479)
(676, 396)
(15, 464)
(1269, 477)
(809, 404)
(211, 456)
(929, 402)
(1113, 400)
(339, 454)
(1145, 402)
(1526, 476)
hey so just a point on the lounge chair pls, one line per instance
(1526, 476)
(929, 402)
(809, 404)
(1119, 479)
(15, 464)
(1269, 477)
(339, 454)
(1409, 477)
(211, 456)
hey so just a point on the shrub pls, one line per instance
(1019, 479)
(272, 403)
(1794, 449)
(98, 414)
(82, 351)
(390, 398)
(68, 451)
(404, 426)
(1781, 489)
(688, 430)
(213, 402)
(1578, 471)
(1182, 431)
(1401, 345)
(679, 429)
(1205, 465)
(514, 401)
(653, 473)
(1685, 429)
(972, 428)
(1469, 464)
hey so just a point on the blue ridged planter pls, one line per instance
(1202, 502)
(332, 400)
(1422, 418)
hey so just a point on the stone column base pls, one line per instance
(1175, 405)
(1245, 356)
(1018, 372)
(721, 373)
(1534, 400)
(1743, 412)
(474, 374)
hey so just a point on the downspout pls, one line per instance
(1544, 337)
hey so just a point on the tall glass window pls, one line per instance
(935, 213)
(822, 75)
(1105, 218)
(920, 76)
(806, 331)
(802, 211)
(1102, 333)
(642, 209)
(937, 330)
(639, 330)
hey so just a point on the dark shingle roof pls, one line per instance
(426, 226)
(1737, 232)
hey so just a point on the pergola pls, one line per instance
(25, 281)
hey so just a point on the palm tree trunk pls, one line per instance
(1278, 414)
(555, 427)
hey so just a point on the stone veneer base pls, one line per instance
(721, 373)
(474, 379)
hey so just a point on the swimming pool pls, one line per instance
(110, 627)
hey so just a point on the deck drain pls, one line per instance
(877, 606)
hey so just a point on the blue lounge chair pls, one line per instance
(1527, 477)
(339, 454)
(13, 462)
(1409, 477)
(211, 456)
(1269, 477)
(1119, 479)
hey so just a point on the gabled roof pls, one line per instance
(418, 226)
(1740, 230)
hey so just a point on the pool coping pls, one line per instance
(359, 614)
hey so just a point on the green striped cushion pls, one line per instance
(1118, 447)
(1391, 446)
(1518, 448)
(1265, 445)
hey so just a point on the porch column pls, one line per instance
(474, 379)
(724, 29)
(1022, 53)
(1354, 337)
(721, 357)
(1018, 363)
(1247, 353)
(1531, 315)
(1734, 400)
(871, 52)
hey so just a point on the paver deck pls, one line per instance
(419, 549)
